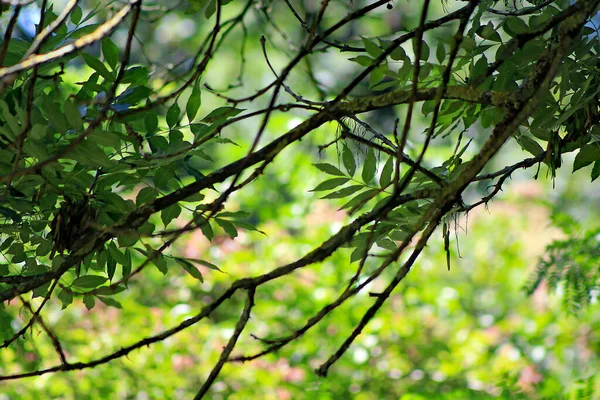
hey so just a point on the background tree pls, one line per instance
(128, 128)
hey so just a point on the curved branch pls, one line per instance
(239, 327)
(523, 11)
(101, 32)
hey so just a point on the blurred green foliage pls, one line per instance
(468, 333)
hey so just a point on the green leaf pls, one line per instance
(41, 291)
(221, 113)
(387, 244)
(386, 174)
(118, 256)
(134, 95)
(515, 26)
(89, 301)
(110, 52)
(173, 114)
(38, 132)
(440, 53)
(6, 243)
(329, 169)
(587, 155)
(205, 227)
(57, 262)
(330, 184)
(73, 116)
(44, 248)
(480, 67)
(193, 103)
(210, 9)
(399, 54)
(88, 153)
(190, 268)
(163, 175)
(66, 298)
(136, 75)
(359, 200)
(372, 48)
(228, 227)
(106, 290)
(376, 76)
(595, 171)
(89, 281)
(424, 50)
(489, 32)
(348, 160)
(151, 122)
(111, 267)
(530, 145)
(146, 195)
(110, 302)
(8, 213)
(105, 138)
(205, 263)
(161, 263)
(358, 253)
(76, 15)
(370, 167)
(362, 60)
(101, 260)
(195, 6)
(126, 267)
(97, 66)
(235, 214)
(345, 192)
(170, 213)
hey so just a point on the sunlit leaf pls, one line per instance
(329, 169)
(330, 184)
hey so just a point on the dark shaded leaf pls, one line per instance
(170, 213)
(386, 174)
(370, 167)
(193, 103)
(587, 155)
(89, 301)
(89, 281)
(110, 52)
(348, 160)
(173, 115)
(190, 268)
(110, 302)
(76, 15)
(595, 171)
(146, 195)
(65, 297)
(97, 66)
(228, 227)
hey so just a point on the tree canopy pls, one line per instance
(158, 156)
